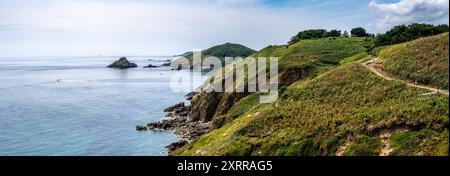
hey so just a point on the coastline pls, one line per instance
(177, 121)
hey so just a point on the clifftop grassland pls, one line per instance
(425, 61)
(340, 107)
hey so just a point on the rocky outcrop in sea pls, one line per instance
(122, 63)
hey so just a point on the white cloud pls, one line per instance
(409, 11)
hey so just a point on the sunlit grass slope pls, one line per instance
(425, 61)
(348, 104)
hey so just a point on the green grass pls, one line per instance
(329, 98)
(244, 105)
(316, 116)
(314, 52)
(430, 143)
(225, 50)
(364, 145)
(424, 60)
(354, 58)
(376, 51)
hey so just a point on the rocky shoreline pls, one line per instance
(178, 122)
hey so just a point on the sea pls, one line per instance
(75, 106)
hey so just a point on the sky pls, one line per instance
(38, 28)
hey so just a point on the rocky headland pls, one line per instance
(177, 120)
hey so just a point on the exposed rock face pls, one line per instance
(227, 101)
(176, 145)
(191, 95)
(288, 77)
(177, 120)
(174, 107)
(207, 106)
(204, 106)
(122, 63)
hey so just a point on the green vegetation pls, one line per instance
(298, 61)
(376, 51)
(402, 33)
(333, 33)
(345, 34)
(364, 146)
(308, 53)
(354, 58)
(423, 142)
(315, 117)
(229, 50)
(225, 50)
(331, 104)
(308, 34)
(359, 32)
(425, 60)
(244, 105)
(220, 51)
(314, 34)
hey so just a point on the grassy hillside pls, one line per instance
(425, 61)
(301, 60)
(229, 50)
(345, 111)
(314, 52)
(335, 106)
(224, 50)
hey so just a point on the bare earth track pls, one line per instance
(386, 134)
(372, 67)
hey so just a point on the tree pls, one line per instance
(308, 34)
(403, 33)
(333, 33)
(345, 34)
(359, 32)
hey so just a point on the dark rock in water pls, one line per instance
(141, 128)
(166, 126)
(174, 107)
(153, 125)
(167, 64)
(176, 145)
(177, 120)
(122, 63)
(151, 66)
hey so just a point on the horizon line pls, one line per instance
(85, 56)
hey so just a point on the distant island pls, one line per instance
(219, 51)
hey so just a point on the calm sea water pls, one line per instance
(92, 111)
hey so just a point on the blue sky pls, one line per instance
(166, 27)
